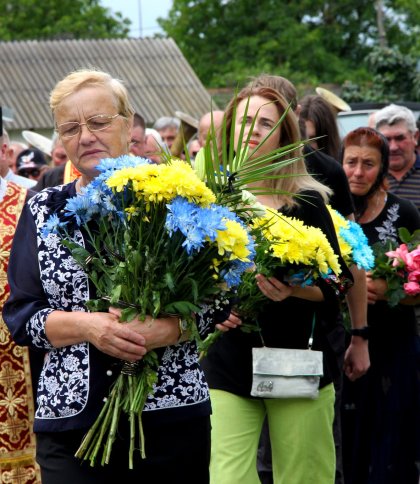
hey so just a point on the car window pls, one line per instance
(351, 121)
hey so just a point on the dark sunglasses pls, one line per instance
(27, 173)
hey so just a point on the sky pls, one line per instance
(142, 13)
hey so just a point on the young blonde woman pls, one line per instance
(300, 429)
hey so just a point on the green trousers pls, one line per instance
(300, 433)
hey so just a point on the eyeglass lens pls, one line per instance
(95, 123)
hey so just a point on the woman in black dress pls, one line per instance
(381, 410)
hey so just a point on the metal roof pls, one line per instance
(158, 77)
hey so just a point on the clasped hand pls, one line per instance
(131, 341)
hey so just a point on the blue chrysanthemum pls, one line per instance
(197, 224)
(53, 226)
(125, 161)
(362, 253)
(81, 209)
(233, 274)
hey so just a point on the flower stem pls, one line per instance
(89, 439)
(114, 422)
(132, 419)
(141, 434)
(204, 345)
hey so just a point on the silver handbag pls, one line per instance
(286, 373)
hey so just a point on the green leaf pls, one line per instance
(181, 307)
(128, 314)
(169, 281)
(156, 302)
(115, 294)
(95, 305)
(404, 234)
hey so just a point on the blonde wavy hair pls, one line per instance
(298, 179)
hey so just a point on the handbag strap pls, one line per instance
(311, 337)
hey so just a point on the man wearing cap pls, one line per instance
(31, 164)
(5, 170)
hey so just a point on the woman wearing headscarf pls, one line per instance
(381, 410)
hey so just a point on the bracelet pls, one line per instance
(362, 332)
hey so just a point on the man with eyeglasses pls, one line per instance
(398, 125)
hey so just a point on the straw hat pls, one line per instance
(333, 99)
(187, 119)
(38, 141)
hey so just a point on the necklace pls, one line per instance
(372, 212)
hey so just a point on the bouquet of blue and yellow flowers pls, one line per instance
(156, 244)
(287, 249)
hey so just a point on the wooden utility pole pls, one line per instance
(380, 22)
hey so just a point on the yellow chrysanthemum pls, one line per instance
(233, 240)
(296, 243)
(162, 183)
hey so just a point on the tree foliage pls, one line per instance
(394, 78)
(311, 41)
(59, 19)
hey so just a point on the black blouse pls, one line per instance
(286, 324)
(390, 325)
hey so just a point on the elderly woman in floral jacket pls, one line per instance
(47, 311)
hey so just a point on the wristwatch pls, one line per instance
(183, 328)
(362, 332)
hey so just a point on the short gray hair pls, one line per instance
(394, 114)
(166, 122)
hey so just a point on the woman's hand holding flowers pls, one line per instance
(232, 322)
(157, 332)
(376, 289)
(278, 291)
(273, 288)
(115, 339)
(101, 329)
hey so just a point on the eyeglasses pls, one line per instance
(27, 173)
(95, 123)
